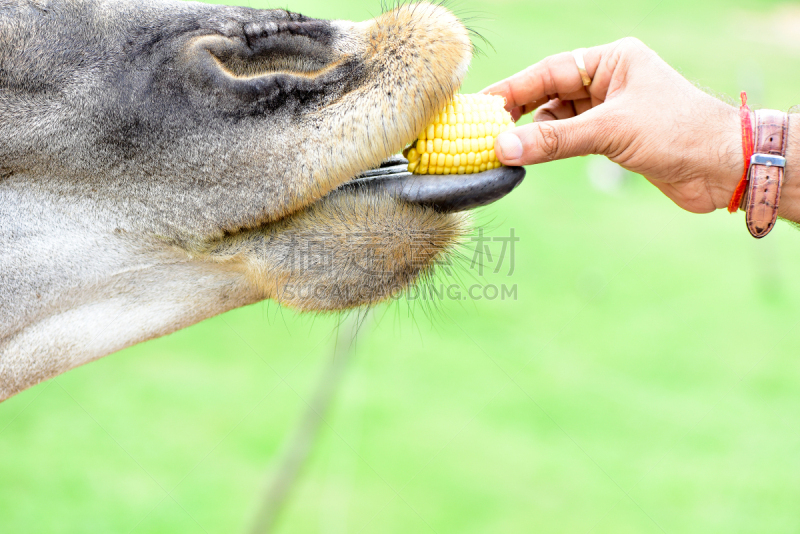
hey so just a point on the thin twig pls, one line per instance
(301, 444)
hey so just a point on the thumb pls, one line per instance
(548, 140)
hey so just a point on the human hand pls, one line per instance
(638, 111)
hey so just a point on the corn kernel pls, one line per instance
(461, 137)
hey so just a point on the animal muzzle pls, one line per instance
(445, 193)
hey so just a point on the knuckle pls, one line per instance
(548, 79)
(631, 46)
(548, 141)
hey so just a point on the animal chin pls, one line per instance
(356, 246)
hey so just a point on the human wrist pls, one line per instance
(789, 207)
(729, 157)
(731, 160)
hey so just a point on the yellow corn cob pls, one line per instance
(460, 140)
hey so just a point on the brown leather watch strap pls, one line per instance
(766, 171)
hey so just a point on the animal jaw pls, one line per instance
(166, 162)
(350, 249)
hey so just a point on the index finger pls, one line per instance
(553, 77)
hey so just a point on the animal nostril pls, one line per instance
(267, 47)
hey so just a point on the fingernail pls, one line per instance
(509, 145)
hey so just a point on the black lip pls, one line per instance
(445, 193)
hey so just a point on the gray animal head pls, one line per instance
(162, 162)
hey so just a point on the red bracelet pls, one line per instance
(747, 149)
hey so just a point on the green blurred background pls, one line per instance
(646, 378)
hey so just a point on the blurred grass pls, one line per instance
(645, 380)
